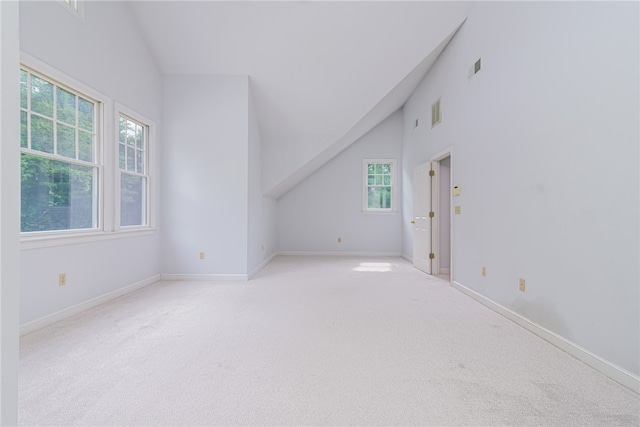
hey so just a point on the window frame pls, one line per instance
(74, 7)
(150, 214)
(59, 79)
(365, 187)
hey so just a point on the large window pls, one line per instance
(133, 165)
(60, 172)
(74, 187)
(379, 186)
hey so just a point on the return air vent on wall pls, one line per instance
(475, 68)
(436, 113)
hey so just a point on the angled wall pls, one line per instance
(328, 204)
(355, 96)
(545, 149)
(261, 212)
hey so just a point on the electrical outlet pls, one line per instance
(521, 285)
(62, 279)
(339, 239)
(484, 271)
(201, 255)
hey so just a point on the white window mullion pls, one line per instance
(29, 110)
(54, 115)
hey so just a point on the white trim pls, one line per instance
(379, 212)
(394, 187)
(262, 265)
(435, 207)
(68, 312)
(614, 372)
(203, 277)
(437, 103)
(41, 67)
(407, 257)
(345, 254)
(151, 146)
(40, 242)
(78, 13)
(102, 134)
(444, 270)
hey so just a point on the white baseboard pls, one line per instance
(445, 270)
(345, 254)
(203, 277)
(68, 312)
(261, 266)
(408, 258)
(614, 372)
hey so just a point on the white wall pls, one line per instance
(106, 53)
(328, 204)
(545, 142)
(204, 193)
(9, 213)
(261, 210)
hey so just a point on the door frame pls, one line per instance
(435, 207)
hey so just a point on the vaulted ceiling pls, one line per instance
(322, 73)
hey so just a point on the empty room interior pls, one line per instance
(319, 213)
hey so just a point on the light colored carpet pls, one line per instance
(309, 341)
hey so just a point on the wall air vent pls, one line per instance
(436, 113)
(475, 68)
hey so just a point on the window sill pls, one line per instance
(389, 212)
(48, 241)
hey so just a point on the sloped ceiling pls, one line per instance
(322, 73)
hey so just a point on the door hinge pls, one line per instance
(432, 173)
(432, 214)
(432, 255)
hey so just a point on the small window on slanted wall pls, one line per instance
(379, 194)
(134, 170)
(75, 7)
(436, 113)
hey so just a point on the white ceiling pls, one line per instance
(322, 73)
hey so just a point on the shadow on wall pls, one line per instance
(542, 312)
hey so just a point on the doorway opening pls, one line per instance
(443, 220)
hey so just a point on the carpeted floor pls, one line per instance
(308, 341)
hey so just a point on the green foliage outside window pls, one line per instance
(55, 195)
(58, 170)
(379, 185)
(132, 146)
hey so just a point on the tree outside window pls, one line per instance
(379, 182)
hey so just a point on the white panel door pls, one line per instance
(421, 220)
